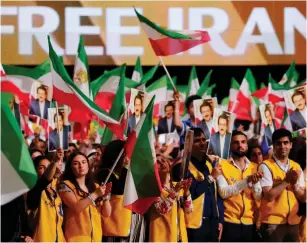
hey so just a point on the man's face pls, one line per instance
(299, 102)
(222, 126)
(137, 107)
(268, 117)
(206, 113)
(169, 111)
(282, 147)
(239, 145)
(60, 122)
(199, 145)
(41, 146)
(41, 95)
(191, 110)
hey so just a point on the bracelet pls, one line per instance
(92, 200)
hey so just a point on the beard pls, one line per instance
(239, 153)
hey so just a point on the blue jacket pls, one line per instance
(200, 187)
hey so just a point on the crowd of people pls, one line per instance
(249, 196)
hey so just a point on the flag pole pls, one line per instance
(167, 73)
(113, 167)
(58, 121)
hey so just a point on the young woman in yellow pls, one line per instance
(44, 204)
(82, 200)
(165, 223)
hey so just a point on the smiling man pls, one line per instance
(166, 124)
(138, 111)
(39, 106)
(283, 185)
(206, 111)
(299, 116)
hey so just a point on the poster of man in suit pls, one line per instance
(139, 100)
(203, 112)
(296, 107)
(268, 119)
(42, 96)
(166, 123)
(58, 121)
(221, 133)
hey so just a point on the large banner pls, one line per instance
(242, 33)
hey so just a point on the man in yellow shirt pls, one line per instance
(240, 188)
(283, 185)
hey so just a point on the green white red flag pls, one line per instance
(142, 185)
(138, 71)
(81, 71)
(65, 91)
(167, 42)
(17, 169)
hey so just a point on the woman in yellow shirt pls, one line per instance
(85, 202)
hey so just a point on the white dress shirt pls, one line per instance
(303, 112)
(272, 128)
(222, 143)
(226, 190)
(137, 118)
(42, 108)
(169, 124)
(267, 179)
(61, 138)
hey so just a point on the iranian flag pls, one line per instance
(137, 72)
(81, 71)
(167, 42)
(202, 91)
(290, 78)
(244, 104)
(158, 89)
(117, 110)
(131, 84)
(193, 85)
(65, 91)
(233, 92)
(19, 81)
(104, 88)
(17, 169)
(142, 185)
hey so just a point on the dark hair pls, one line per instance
(110, 154)
(170, 103)
(190, 100)
(39, 159)
(60, 114)
(72, 145)
(250, 149)
(42, 87)
(236, 133)
(197, 131)
(140, 97)
(297, 93)
(32, 151)
(223, 116)
(69, 175)
(280, 133)
(206, 103)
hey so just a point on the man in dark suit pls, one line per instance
(220, 141)
(39, 107)
(298, 116)
(138, 110)
(166, 124)
(57, 140)
(270, 127)
(206, 110)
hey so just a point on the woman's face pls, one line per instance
(80, 166)
(256, 156)
(42, 166)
